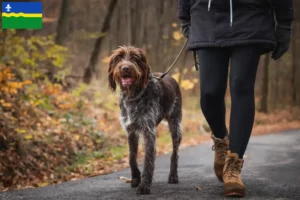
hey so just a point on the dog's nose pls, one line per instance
(125, 68)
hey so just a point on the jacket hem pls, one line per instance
(269, 45)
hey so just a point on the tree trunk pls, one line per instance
(277, 100)
(63, 21)
(130, 18)
(143, 24)
(158, 42)
(265, 85)
(118, 26)
(91, 66)
(3, 42)
(294, 65)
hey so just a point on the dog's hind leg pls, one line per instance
(147, 176)
(174, 121)
(133, 141)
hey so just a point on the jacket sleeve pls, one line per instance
(284, 11)
(184, 7)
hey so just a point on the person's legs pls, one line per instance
(213, 82)
(244, 62)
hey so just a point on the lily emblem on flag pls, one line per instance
(22, 15)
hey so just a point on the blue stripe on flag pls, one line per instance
(24, 7)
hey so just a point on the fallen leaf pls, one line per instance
(62, 119)
(27, 82)
(44, 184)
(123, 178)
(28, 137)
(7, 105)
(198, 188)
(20, 130)
(76, 137)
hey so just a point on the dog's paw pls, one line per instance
(135, 182)
(142, 190)
(173, 179)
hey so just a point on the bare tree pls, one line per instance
(294, 65)
(91, 66)
(62, 26)
(130, 20)
(295, 57)
(265, 85)
(3, 35)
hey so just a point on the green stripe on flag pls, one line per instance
(22, 22)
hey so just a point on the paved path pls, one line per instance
(271, 171)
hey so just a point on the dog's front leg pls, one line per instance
(133, 141)
(147, 176)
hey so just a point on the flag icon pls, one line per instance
(22, 15)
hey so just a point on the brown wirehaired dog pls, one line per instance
(144, 102)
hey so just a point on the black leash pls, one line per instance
(176, 59)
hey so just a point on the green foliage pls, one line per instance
(79, 90)
(43, 127)
(118, 152)
(35, 56)
(50, 125)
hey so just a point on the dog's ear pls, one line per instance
(146, 75)
(142, 55)
(111, 80)
(145, 67)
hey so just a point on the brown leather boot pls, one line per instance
(221, 146)
(233, 185)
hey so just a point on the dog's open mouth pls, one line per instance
(126, 80)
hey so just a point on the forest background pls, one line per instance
(58, 119)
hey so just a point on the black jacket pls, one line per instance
(242, 22)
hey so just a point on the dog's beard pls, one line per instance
(130, 83)
(130, 90)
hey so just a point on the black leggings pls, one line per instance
(213, 81)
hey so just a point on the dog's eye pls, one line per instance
(118, 57)
(135, 58)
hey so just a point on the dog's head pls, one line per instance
(128, 67)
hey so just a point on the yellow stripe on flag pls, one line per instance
(21, 15)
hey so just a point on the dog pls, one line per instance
(144, 102)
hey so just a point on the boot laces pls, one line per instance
(233, 169)
(221, 149)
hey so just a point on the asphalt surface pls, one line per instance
(271, 171)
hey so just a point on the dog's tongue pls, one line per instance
(126, 81)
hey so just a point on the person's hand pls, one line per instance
(185, 28)
(283, 37)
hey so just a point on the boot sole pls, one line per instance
(234, 194)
